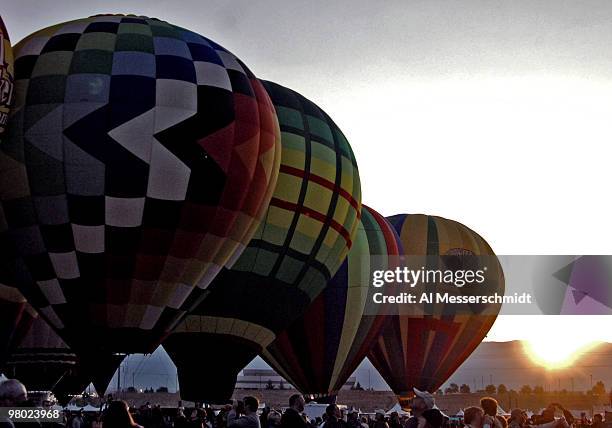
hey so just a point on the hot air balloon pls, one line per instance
(41, 359)
(424, 350)
(69, 386)
(321, 349)
(99, 371)
(16, 318)
(308, 230)
(139, 161)
(43, 362)
(6, 77)
(13, 317)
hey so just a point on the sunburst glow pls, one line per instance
(551, 355)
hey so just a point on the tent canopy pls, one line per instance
(90, 408)
(397, 408)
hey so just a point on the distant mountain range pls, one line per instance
(492, 362)
(507, 363)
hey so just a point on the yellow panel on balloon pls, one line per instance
(286, 188)
(318, 198)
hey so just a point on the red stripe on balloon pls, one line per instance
(321, 181)
(309, 212)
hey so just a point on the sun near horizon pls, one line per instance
(553, 341)
(552, 355)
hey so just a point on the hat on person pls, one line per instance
(426, 397)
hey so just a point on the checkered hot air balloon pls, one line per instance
(321, 349)
(424, 350)
(308, 229)
(139, 160)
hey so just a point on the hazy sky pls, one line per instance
(494, 113)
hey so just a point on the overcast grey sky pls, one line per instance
(345, 40)
(490, 112)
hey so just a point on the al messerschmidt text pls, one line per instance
(401, 298)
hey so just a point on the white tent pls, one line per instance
(314, 410)
(460, 413)
(3, 378)
(90, 408)
(397, 408)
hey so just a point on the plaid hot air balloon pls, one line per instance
(308, 230)
(321, 349)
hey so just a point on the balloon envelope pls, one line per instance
(321, 349)
(308, 230)
(98, 370)
(13, 317)
(6, 77)
(68, 386)
(139, 160)
(424, 351)
(43, 361)
(16, 318)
